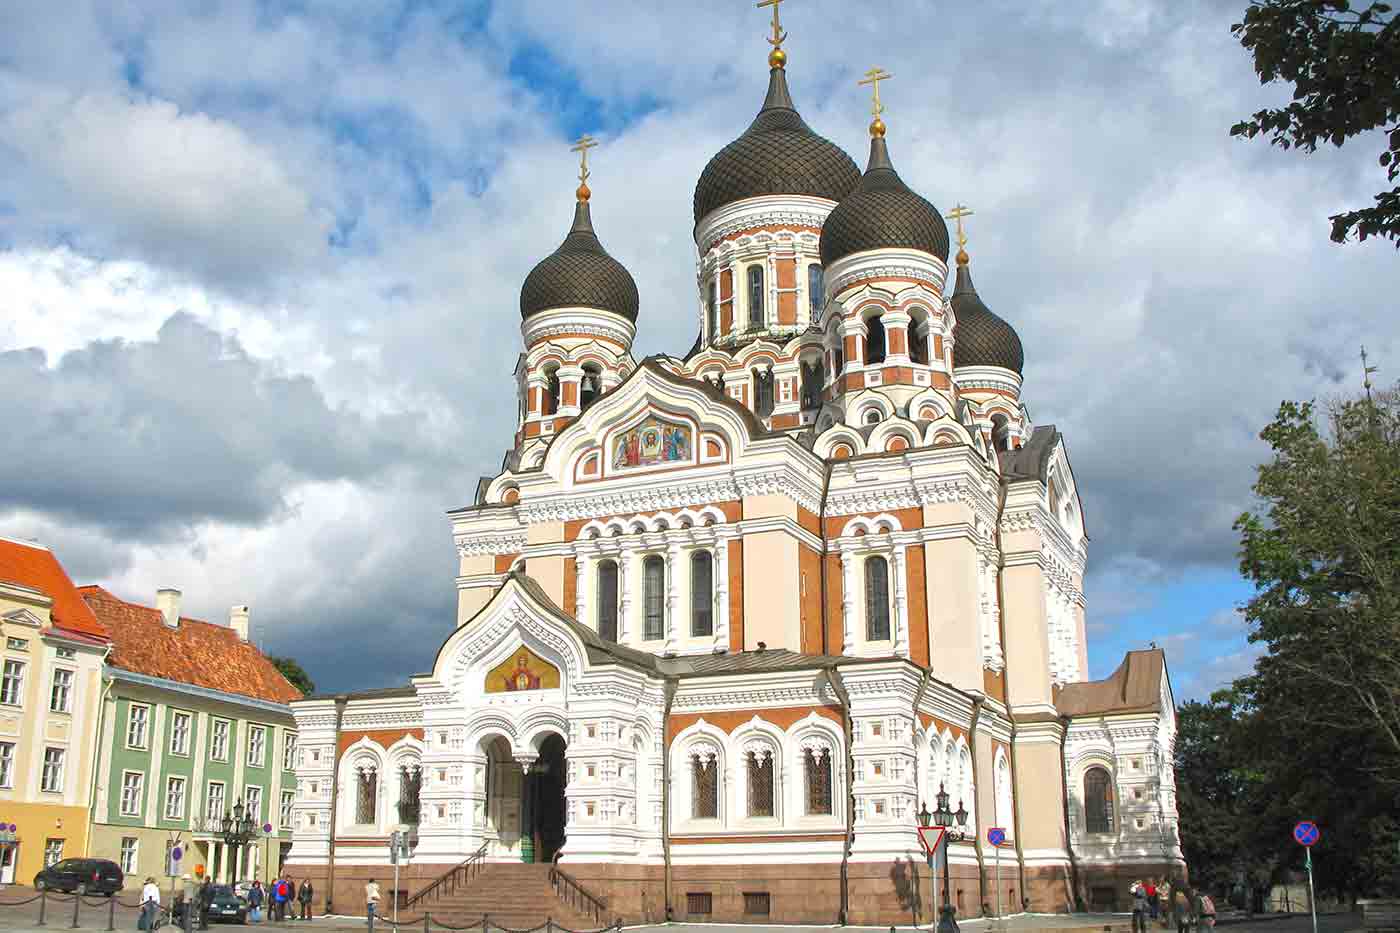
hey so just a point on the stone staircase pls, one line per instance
(511, 894)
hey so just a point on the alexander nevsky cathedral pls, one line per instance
(730, 620)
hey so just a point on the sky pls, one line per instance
(260, 266)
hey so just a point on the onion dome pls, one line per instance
(580, 274)
(778, 154)
(882, 213)
(981, 338)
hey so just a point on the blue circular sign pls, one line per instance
(1306, 833)
(267, 827)
(996, 835)
(176, 854)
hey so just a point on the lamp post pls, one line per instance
(952, 823)
(237, 830)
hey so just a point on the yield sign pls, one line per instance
(1306, 833)
(931, 836)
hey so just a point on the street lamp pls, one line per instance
(952, 823)
(237, 830)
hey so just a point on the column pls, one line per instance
(624, 598)
(581, 587)
(848, 601)
(722, 592)
(527, 812)
(673, 572)
(901, 604)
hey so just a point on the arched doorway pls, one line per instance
(544, 799)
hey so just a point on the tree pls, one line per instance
(295, 675)
(1344, 65)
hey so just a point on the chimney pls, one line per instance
(168, 602)
(238, 621)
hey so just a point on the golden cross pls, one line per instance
(585, 143)
(778, 34)
(873, 77)
(958, 213)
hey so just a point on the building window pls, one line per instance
(755, 296)
(1098, 801)
(366, 789)
(175, 798)
(214, 801)
(763, 393)
(284, 815)
(812, 379)
(702, 594)
(53, 852)
(7, 764)
(699, 904)
(410, 785)
(61, 696)
(590, 386)
(257, 746)
(704, 778)
(653, 598)
(838, 360)
(132, 782)
(760, 782)
(65, 654)
(16, 644)
(918, 343)
(712, 311)
(874, 340)
(758, 904)
(252, 797)
(180, 734)
(877, 599)
(136, 720)
(607, 600)
(817, 771)
(51, 779)
(816, 291)
(128, 857)
(12, 683)
(551, 393)
(218, 745)
(289, 751)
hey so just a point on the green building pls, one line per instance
(194, 721)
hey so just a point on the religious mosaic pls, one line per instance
(652, 442)
(523, 670)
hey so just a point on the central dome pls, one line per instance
(883, 213)
(778, 154)
(580, 274)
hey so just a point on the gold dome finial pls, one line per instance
(873, 77)
(585, 143)
(776, 58)
(957, 214)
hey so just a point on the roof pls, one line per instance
(1032, 459)
(980, 337)
(580, 274)
(196, 652)
(1136, 687)
(36, 567)
(777, 154)
(883, 213)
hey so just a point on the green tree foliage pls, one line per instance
(295, 675)
(1343, 60)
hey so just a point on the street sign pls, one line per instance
(996, 836)
(267, 827)
(931, 836)
(1306, 833)
(176, 854)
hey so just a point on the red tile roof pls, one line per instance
(35, 566)
(198, 653)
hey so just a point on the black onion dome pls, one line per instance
(883, 213)
(580, 274)
(778, 154)
(982, 338)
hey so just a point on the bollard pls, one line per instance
(370, 915)
(111, 911)
(77, 900)
(43, 905)
(549, 925)
(485, 923)
(425, 921)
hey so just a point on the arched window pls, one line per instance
(874, 340)
(763, 393)
(760, 781)
(590, 386)
(704, 782)
(812, 380)
(653, 598)
(1098, 801)
(918, 342)
(877, 599)
(551, 393)
(712, 311)
(816, 768)
(838, 360)
(410, 783)
(366, 795)
(1001, 433)
(755, 296)
(702, 594)
(607, 600)
(816, 295)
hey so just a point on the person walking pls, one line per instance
(206, 898)
(1205, 911)
(1181, 911)
(1164, 902)
(1139, 892)
(304, 895)
(255, 902)
(1151, 889)
(280, 893)
(150, 905)
(371, 900)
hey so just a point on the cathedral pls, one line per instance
(730, 622)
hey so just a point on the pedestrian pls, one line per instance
(279, 896)
(371, 900)
(150, 905)
(1139, 893)
(304, 895)
(1205, 910)
(1181, 910)
(1164, 902)
(255, 902)
(206, 898)
(1151, 889)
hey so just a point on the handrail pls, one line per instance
(462, 872)
(568, 890)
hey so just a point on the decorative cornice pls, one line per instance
(495, 542)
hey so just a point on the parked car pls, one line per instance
(83, 875)
(227, 906)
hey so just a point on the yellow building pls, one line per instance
(50, 700)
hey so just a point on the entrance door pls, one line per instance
(547, 781)
(505, 783)
(9, 855)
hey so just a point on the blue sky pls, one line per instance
(259, 268)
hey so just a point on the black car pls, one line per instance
(227, 906)
(83, 875)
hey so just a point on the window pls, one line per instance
(812, 380)
(53, 852)
(7, 764)
(252, 798)
(712, 311)
(757, 904)
(175, 798)
(257, 746)
(214, 801)
(12, 683)
(607, 600)
(128, 857)
(918, 343)
(132, 782)
(874, 340)
(838, 360)
(65, 654)
(702, 594)
(877, 599)
(755, 296)
(817, 771)
(218, 745)
(410, 785)
(284, 815)
(17, 644)
(51, 778)
(136, 717)
(590, 386)
(61, 696)
(699, 903)
(653, 598)
(289, 751)
(551, 393)
(763, 393)
(704, 778)
(816, 293)
(365, 792)
(760, 777)
(1001, 440)
(1098, 801)
(180, 734)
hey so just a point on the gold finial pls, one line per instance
(873, 77)
(1366, 373)
(957, 214)
(585, 143)
(776, 58)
